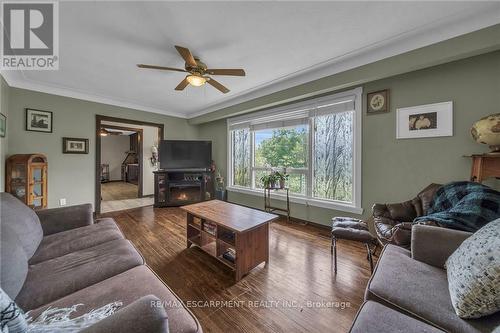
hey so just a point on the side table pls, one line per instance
(484, 166)
(267, 201)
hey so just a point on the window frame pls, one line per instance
(296, 109)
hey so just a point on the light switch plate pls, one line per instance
(62, 202)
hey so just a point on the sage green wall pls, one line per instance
(461, 47)
(72, 176)
(4, 109)
(395, 170)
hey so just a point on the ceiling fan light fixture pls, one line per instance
(196, 80)
(197, 70)
(103, 132)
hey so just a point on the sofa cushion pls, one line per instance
(54, 220)
(13, 260)
(65, 242)
(374, 317)
(61, 276)
(23, 221)
(474, 273)
(128, 287)
(421, 291)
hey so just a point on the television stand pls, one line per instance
(179, 187)
(185, 170)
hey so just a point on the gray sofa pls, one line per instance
(408, 291)
(62, 257)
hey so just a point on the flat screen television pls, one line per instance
(179, 154)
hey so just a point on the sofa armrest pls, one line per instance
(144, 315)
(55, 220)
(433, 245)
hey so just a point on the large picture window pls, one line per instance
(316, 142)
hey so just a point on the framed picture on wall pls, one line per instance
(377, 102)
(75, 146)
(424, 121)
(3, 125)
(38, 121)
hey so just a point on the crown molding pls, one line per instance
(436, 32)
(72, 93)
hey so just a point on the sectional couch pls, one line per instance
(62, 257)
(408, 291)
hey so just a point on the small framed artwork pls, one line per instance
(377, 102)
(75, 146)
(38, 121)
(424, 121)
(3, 125)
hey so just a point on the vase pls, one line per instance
(487, 131)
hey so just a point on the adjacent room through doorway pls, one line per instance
(126, 161)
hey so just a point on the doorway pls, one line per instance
(124, 167)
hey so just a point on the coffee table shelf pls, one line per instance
(195, 226)
(218, 227)
(195, 240)
(210, 248)
(227, 262)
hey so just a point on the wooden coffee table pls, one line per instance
(218, 227)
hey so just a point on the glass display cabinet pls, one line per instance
(26, 179)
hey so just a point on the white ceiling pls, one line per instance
(277, 43)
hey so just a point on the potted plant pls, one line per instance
(281, 177)
(269, 181)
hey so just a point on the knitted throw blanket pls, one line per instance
(464, 206)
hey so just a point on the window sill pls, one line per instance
(302, 200)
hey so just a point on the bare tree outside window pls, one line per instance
(241, 158)
(333, 157)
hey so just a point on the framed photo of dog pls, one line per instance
(425, 121)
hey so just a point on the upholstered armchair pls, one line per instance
(393, 222)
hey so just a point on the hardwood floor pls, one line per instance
(118, 191)
(296, 292)
(120, 196)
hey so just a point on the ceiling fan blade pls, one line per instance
(186, 55)
(182, 85)
(217, 85)
(228, 71)
(161, 67)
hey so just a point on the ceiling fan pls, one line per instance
(106, 132)
(198, 71)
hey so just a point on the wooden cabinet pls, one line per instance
(26, 179)
(132, 173)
